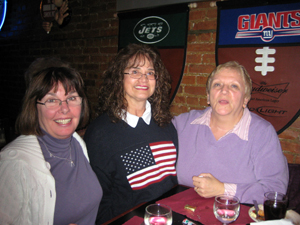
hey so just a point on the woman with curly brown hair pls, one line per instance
(132, 145)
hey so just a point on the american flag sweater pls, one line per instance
(133, 165)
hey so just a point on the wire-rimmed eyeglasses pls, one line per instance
(137, 75)
(56, 103)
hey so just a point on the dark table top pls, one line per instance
(140, 209)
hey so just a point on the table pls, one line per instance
(140, 210)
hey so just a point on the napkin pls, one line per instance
(274, 222)
(136, 220)
(204, 207)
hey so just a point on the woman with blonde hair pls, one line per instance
(229, 149)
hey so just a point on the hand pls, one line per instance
(47, 26)
(59, 14)
(207, 185)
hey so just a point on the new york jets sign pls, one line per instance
(151, 30)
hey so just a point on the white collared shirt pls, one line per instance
(132, 120)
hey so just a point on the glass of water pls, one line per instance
(226, 208)
(158, 214)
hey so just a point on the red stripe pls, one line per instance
(164, 154)
(142, 174)
(152, 182)
(150, 171)
(161, 142)
(166, 160)
(153, 176)
(164, 148)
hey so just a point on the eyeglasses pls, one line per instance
(56, 103)
(137, 75)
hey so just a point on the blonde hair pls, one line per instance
(235, 66)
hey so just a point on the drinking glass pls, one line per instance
(275, 205)
(226, 208)
(158, 214)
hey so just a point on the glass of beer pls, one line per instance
(275, 205)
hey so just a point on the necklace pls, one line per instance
(54, 156)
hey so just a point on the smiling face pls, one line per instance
(139, 90)
(60, 123)
(227, 93)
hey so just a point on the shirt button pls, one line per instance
(48, 165)
(12, 153)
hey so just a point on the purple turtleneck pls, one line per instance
(78, 192)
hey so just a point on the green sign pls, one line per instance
(154, 27)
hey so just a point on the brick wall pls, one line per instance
(90, 41)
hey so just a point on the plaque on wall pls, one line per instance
(47, 10)
(265, 39)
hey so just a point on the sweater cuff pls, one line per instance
(230, 189)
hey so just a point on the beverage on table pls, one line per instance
(275, 205)
(226, 208)
(158, 214)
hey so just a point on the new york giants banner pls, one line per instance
(266, 40)
(164, 27)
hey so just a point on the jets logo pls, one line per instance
(151, 30)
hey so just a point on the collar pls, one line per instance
(241, 129)
(132, 120)
(55, 143)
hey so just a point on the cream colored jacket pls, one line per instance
(27, 187)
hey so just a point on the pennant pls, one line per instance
(265, 39)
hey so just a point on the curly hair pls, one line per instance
(112, 94)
